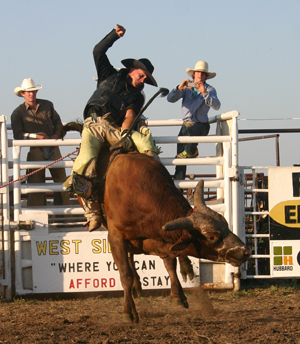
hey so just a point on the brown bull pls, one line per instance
(147, 214)
(186, 268)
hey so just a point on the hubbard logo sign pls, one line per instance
(282, 258)
(285, 258)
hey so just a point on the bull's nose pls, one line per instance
(238, 255)
(247, 252)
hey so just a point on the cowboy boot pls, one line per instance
(93, 214)
(82, 185)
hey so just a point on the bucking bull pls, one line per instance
(146, 213)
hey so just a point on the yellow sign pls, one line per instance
(287, 213)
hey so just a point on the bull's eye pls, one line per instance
(212, 238)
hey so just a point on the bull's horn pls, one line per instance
(180, 223)
(199, 194)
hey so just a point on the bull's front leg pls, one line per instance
(120, 255)
(177, 293)
(136, 286)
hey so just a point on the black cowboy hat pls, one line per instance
(143, 64)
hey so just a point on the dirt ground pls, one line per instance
(257, 314)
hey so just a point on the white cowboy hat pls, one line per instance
(201, 66)
(27, 85)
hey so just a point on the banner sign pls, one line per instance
(82, 262)
(284, 205)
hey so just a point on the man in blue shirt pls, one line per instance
(197, 99)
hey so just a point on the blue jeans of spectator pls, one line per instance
(196, 129)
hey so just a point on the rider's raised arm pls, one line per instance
(103, 66)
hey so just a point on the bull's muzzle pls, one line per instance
(237, 255)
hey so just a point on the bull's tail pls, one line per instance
(71, 126)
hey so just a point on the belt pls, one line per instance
(108, 117)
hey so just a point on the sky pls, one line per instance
(253, 46)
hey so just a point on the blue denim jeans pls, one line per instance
(197, 129)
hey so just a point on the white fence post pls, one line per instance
(5, 246)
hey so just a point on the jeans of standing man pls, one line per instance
(189, 129)
(58, 175)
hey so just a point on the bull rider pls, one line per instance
(108, 115)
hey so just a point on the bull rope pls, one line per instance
(40, 169)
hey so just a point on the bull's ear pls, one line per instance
(182, 243)
(180, 223)
(199, 194)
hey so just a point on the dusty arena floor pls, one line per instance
(260, 314)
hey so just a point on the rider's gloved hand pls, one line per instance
(127, 144)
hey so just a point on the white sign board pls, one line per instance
(82, 262)
(284, 206)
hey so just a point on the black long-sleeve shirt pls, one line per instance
(103, 66)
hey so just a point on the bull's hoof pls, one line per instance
(185, 304)
(191, 275)
(179, 302)
(129, 318)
